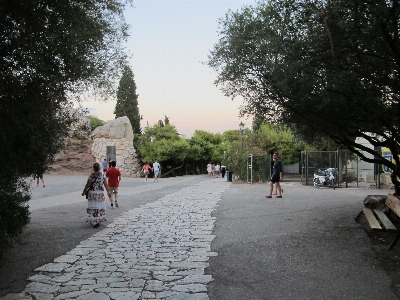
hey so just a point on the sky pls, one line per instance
(169, 42)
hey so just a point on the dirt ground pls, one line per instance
(389, 259)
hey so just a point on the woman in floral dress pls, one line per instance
(96, 210)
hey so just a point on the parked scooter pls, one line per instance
(325, 178)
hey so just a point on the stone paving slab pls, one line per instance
(157, 251)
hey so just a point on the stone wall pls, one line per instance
(116, 133)
(125, 154)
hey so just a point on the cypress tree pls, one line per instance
(127, 100)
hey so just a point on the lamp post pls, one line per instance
(241, 129)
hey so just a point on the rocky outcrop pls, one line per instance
(77, 155)
(81, 129)
(76, 158)
(85, 147)
(119, 128)
(116, 135)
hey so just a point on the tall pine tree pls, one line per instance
(127, 100)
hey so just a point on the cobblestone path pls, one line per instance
(157, 251)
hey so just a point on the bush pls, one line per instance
(236, 160)
(14, 213)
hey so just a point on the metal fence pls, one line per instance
(351, 171)
(259, 168)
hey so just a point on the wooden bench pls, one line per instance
(378, 220)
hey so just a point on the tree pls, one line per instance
(162, 143)
(206, 146)
(127, 100)
(277, 138)
(326, 69)
(230, 136)
(264, 140)
(50, 52)
(94, 122)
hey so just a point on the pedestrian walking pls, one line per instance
(212, 170)
(114, 177)
(223, 170)
(209, 169)
(217, 169)
(94, 191)
(39, 176)
(104, 163)
(146, 170)
(156, 170)
(276, 191)
(277, 175)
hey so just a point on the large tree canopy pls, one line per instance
(127, 100)
(206, 146)
(162, 143)
(49, 51)
(325, 68)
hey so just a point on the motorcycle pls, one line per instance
(325, 178)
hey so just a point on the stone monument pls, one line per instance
(116, 133)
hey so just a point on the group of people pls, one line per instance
(214, 170)
(97, 181)
(107, 180)
(110, 178)
(156, 169)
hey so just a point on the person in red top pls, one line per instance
(114, 177)
(146, 170)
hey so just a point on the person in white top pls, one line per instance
(156, 170)
(209, 169)
(217, 169)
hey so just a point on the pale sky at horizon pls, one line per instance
(169, 40)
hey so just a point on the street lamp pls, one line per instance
(241, 128)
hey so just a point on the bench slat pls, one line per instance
(385, 220)
(393, 203)
(373, 222)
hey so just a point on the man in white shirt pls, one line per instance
(156, 170)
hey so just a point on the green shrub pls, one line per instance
(14, 212)
(95, 122)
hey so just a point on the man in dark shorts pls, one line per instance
(277, 174)
(39, 176)
(114, 177)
